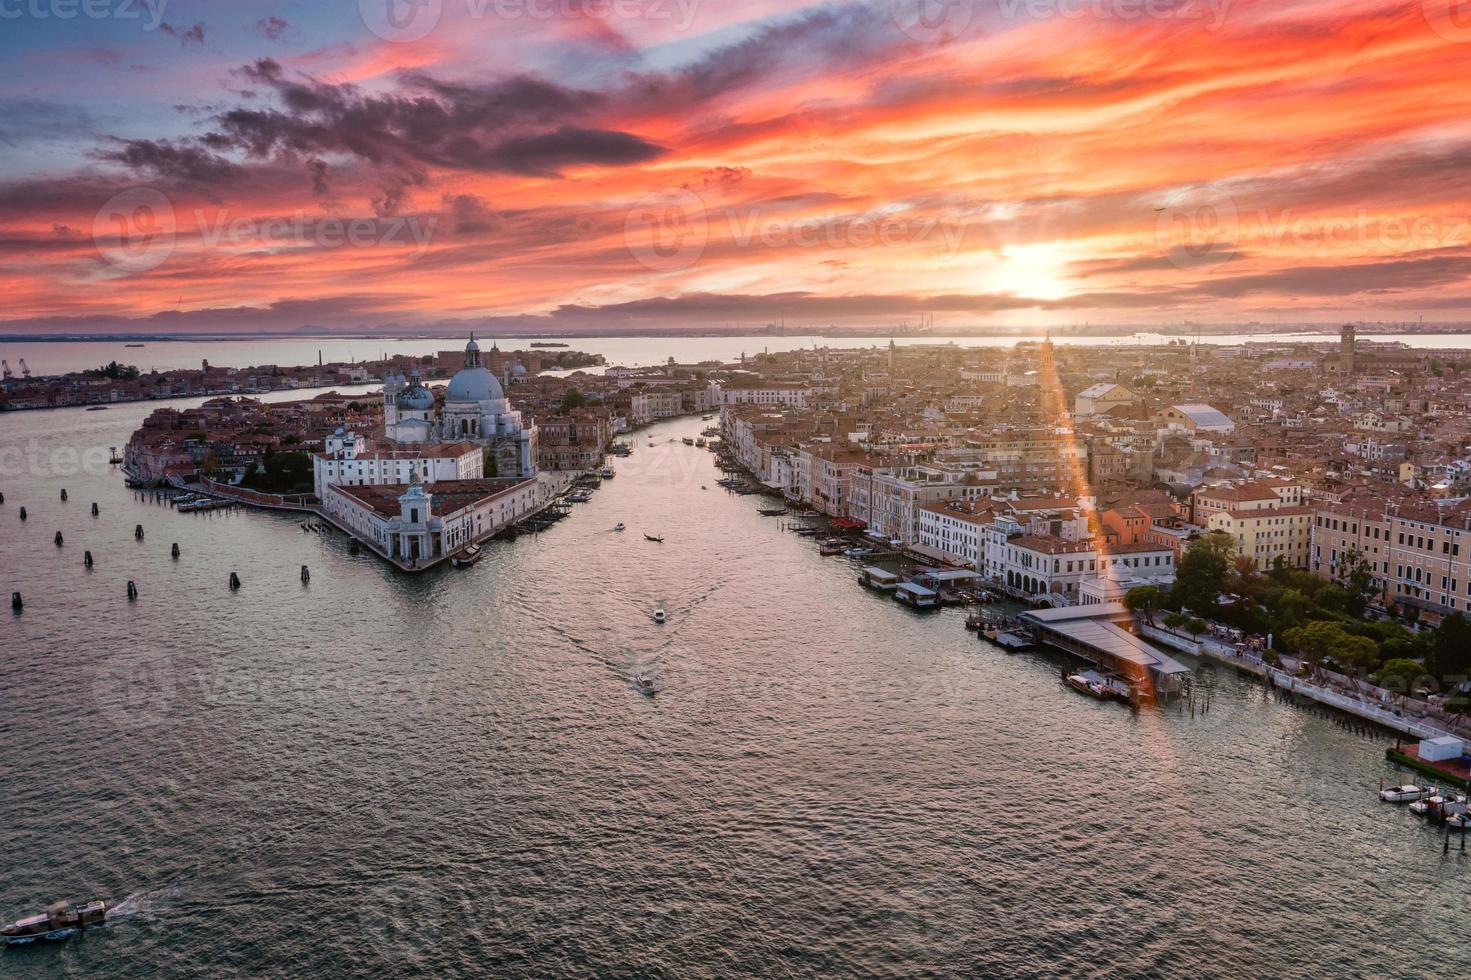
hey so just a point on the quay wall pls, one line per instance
(1369, 711)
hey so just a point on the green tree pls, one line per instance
(572, 400)
(1203, 572)
(1145, 599)
(1356, 573)
(1400, 675)
(1451, 650)
(1322, 640)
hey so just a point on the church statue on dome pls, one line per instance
(475, 409)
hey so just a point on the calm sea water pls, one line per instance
(453, 774)
(59, 357)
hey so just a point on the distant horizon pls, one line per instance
(1060, 331)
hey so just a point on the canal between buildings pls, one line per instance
(455, 774)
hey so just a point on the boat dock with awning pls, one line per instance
(1096, 633)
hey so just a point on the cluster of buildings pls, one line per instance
(120, 383)
(1070, 474)
(114, 383)
(419, 471)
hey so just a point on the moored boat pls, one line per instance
(467, 557)
(1097, 685)
(57, 922)
(1404, 794)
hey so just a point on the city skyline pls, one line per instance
(181, 167)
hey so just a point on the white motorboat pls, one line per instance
(618, 526)
(660, 616)
(1089, 683)
(1404, 794)
(1426, 805)
(646, 685)
(57, 922)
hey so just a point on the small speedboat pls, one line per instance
(1090, 684)
(646, 685)
(618, 526)
(57, 922)
(660, 616)
(1404, 794)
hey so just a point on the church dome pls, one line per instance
(416, 398)
(473, 384)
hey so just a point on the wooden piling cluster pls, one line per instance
(17, 602)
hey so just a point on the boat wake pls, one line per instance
(143, 905)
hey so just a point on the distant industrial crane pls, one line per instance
(25, 372)
(5, 373)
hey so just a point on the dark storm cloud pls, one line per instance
(520, 125)
(171, 161)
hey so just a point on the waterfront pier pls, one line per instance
(1096, 633)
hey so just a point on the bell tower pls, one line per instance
(1346, 345)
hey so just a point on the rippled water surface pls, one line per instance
(453, 774)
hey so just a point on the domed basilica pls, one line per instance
(475, 409)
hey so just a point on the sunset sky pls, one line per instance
(198, 165)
